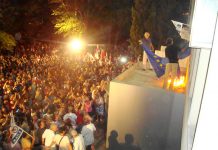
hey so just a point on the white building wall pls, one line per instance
(199, 108)
(207, 126)
(153, 116)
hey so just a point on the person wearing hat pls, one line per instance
(70, 115)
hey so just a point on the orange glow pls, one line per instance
(179, 82)
(169, 81)
(76, 45)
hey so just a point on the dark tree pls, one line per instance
(155, 17)
(7, 41)
(137, 27)
(31, 18)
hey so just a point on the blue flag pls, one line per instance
(185, 53)
(158, 63)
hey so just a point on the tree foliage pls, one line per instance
(68, 21)
(7, 41)
(69, 26)
(93, 19)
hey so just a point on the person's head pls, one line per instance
(74, 133)
(87, 119)
(56, 117)
(53, 127)
(70, 109)
(42, 124)
(147, 35)
(114, 134)
(169, 41)
(34, 117)
(68, 122)
(62, 130)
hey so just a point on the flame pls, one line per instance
(169, 81)
(179, 82)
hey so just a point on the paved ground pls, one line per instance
(100, 136)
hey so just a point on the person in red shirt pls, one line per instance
(103, 54)
(79, 114)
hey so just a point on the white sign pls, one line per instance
(17, 133)
(178, 25)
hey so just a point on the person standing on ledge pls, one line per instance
(147, 41)
(171, 71)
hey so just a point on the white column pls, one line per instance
(197, 76)
(207, 126)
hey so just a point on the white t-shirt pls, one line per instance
(48, 135)
(88, 133)
(79, 143)
(64, 143)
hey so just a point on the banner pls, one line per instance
(16, 134)
(158, 63)
(178, 25)
(183, 29)
(12, 123)
(185, 32)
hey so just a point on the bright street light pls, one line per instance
(123, 59)
(76, 45)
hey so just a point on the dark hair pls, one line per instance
(24, 135)
(79, 129)
(62, 129)
(40, 121)
(169, 41)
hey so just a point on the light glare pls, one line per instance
(123, 59)
(76, 45)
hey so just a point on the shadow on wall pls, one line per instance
(115, 145)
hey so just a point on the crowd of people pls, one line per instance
(56, 97)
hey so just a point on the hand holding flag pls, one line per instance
(15, 131)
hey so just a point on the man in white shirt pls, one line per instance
(62, 140)
(48, 137)
(78, 143)
(88, 132)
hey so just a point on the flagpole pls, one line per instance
(14, 124)
(27, 133)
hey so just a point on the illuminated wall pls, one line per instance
(151, 115)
